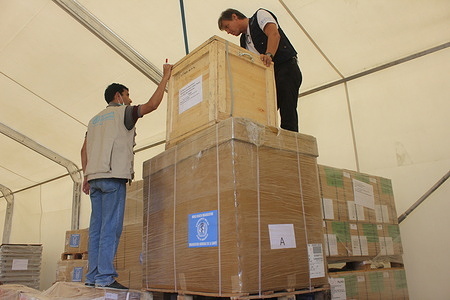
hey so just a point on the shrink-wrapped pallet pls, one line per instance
(232, 210)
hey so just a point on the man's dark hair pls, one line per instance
(227, 16)
(112, 89)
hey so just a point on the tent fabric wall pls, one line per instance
(392, 123)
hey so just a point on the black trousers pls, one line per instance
(288, 79)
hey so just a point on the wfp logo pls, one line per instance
(202, 229)
(99, 119)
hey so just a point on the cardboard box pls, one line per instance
(21, 264)
(337, 239)
(351, 196)
(387, 211)
(134, 203)
(234, 209)
(128, 259)
(348, 285)
(332, 192)
(72, 270)
(216, 81)
(387, 283)
(76, 241)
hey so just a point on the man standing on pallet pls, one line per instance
(262, 34)
(107, 160)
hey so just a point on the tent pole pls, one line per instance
(72, 169)
(9, 197)
(183, 19)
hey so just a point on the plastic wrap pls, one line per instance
(233, 210)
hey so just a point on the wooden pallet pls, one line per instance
(69, 255)
(280, 295)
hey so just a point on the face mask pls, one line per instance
(121, 99)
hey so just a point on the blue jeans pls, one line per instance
(108, 205)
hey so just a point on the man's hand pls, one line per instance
(167, 70)
(86, 186)
(266, 59)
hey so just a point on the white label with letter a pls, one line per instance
(282, 236)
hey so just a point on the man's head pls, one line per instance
(114, 91)
(233, 22)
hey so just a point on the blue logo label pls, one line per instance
(74, 240)
(77, 275)
(203, 229)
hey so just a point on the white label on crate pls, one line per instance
(112, 296)
(356, 247)
(363, 193)
(332, 244)
(316, 261)
(382, 244)
(389, 245)
(360, 216)
(190, 95)
(327, 209)
(351, 210)
(19, 264)
(364, 245)
(382, 213)
(360, 278)
(282, 236)
(337, 288)
(355, 211)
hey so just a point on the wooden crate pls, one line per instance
(216, 81)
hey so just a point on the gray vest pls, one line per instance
(110, 145)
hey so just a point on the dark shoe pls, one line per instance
(115, 285)
(89, 284)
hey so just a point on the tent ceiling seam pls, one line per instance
(43, 99)
(376, 69)
(109, 37)
(311, 39)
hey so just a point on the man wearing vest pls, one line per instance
(262, 34)
(107, 159)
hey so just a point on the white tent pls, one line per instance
(375, 94)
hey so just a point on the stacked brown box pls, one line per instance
(234, 209)
(374, 197)
(128, 258)
(216, 81)
(74, 270)
(371, 284)
(134, 203)
(76, 241)
(359, 215)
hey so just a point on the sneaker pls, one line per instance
(115, 285)
(89, 284)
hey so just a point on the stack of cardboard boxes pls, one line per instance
(361, 229)
(20, 264)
